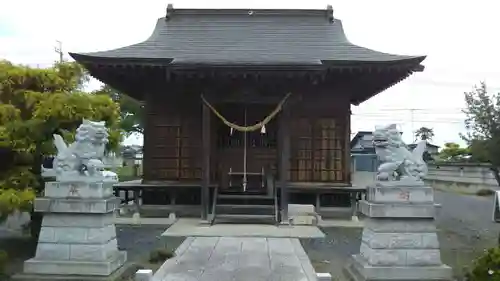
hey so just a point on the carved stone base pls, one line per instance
(78, 190)
(360, 270)
(72, 267)
(78, 235)
(399, 241)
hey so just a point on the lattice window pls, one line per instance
(301, 151)
(328, 151)
(176, 149)
(317, 150)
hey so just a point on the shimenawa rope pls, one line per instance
(254, 127)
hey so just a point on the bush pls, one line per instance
(3, 261)
(486, 267)
(485, 192)
(160, 255)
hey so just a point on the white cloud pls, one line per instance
(458, 38)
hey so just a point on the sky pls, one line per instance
(458, 37)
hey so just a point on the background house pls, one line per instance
(431, 148)
(363, 157)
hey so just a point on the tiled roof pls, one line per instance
(277, 37)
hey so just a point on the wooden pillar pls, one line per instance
(347, 146)
(205, 192)
(146, 138)
(284, 161)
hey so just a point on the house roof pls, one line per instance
(358, 136)
(412, 145)
(250, 37)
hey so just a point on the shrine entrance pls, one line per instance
(244, 158)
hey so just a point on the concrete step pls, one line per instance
(244, 196)
(244, 209)
(244, 218)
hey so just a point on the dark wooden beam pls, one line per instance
(146, 146)
(206, 137)
(284, 161)
(347, 147)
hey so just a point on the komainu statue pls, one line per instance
(81, 159)
(397, 161)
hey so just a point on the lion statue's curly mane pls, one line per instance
(89, 146)
(397, 161)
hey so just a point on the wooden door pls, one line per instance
(260, 146)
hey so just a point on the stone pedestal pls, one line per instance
(399, 241)
(78, 235)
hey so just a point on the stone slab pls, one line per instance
(400, 225)
(123, 273)
(300, 209)
(76, 205)
(359, 270)
(400, 240)
(400, 257)
(143, 275)
(191, 227)
(77, 220)
(303, 220)
(239, 259)
(400, 194)
(77, 178)
(76, 252)
(397, 210)
(78, 190)
(402, 182)
(301, 214)
(102, 268)
(77, 234)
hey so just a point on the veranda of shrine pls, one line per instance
(247, 102)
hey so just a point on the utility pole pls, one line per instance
(59, 50)
(412, 110)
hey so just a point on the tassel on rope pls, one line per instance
(251, 128)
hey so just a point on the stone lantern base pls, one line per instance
(78, 235)
(399, 241)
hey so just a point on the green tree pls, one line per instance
(34, 104)
(483, 125)
(131, 110)
(424, 133)
(452, 151)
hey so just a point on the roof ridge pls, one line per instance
(328, 12)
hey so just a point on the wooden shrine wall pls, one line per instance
(172, 141)
(320, 137)
(320, 150)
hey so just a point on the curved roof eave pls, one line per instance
(234, 38)
(412, 63)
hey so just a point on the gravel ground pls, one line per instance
(139, 241)
(465, 224)
(468, 215)
(465, 231)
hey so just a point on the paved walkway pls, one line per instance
(192, 227)
(238, 259)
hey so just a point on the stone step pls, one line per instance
(244, 196)
(239, 218)
(244, 209)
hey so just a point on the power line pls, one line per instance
(451, 84)
(433, 121)
(59, 50)
(418, 109)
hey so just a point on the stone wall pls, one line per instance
(463, 178)
(467, 178)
